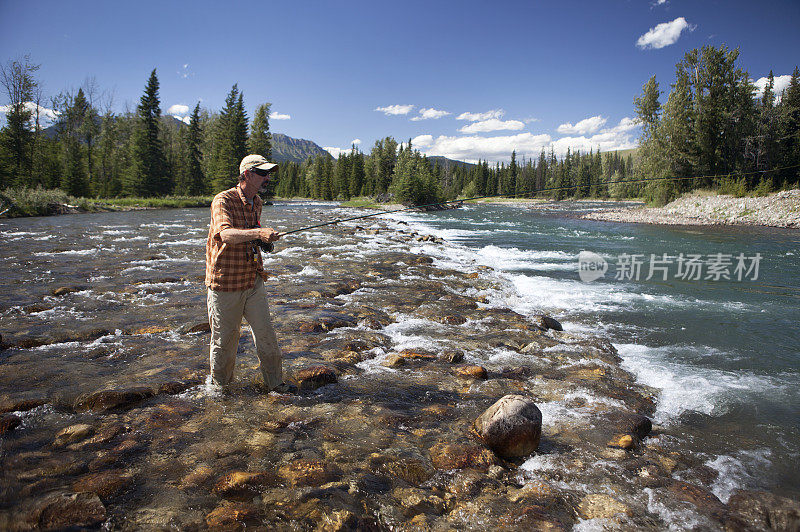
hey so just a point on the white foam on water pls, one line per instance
(738, 471)
(164, 226)
(691, 388)
(70, 253)
(117, 231)
(677, 515)
(310, 271)
(129, 238)
(188, 242)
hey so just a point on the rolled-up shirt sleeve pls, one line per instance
(221, 218)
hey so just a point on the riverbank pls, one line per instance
(26, 202)
(781, 209)
(108, 419)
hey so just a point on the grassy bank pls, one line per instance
(41, 202)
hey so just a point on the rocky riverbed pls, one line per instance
(107, 420)
(781, 209)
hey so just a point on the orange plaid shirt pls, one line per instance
(231, 267)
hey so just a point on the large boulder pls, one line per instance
(315, 377)
(108, 400)
(511, 427)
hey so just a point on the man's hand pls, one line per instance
(268, 234)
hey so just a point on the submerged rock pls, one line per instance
(766, 510)
(470, 372)
(233, 516)
(460, 456)
(69, 511)
(106, 400)
(315, 377)
(105, 484)
(546, 322)
(601, 506)
(244, 483)
(9, 422)
(309, 473)
(72, 434)
(511, 427)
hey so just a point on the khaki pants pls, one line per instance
(225, 311)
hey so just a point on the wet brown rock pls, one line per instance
(309, 473)
(418, 501)
(244, 483)
(466, 484)
(203, 327)
(105, 484)
(411, 470)
(106, 400)
(9, 422)
(342, 520)
(702, 498)
(394, 361)
(511, 427)
(453, 319)
(69, 511)
(451, 356)
(315, 377)
(601, 506)
(621, 441)
(64, 290)
(55, 466)
(22, 406)
(233, 516)
(470, 372)
(546, 322)
(72, 434)
(533, 516)
(461, 456)
(198, 477)
(176, 387)
(766, 510)
(416, 354)
(150, 329)
(628, 423)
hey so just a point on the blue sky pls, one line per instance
(509, 74)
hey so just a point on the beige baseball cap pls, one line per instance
(256, 161)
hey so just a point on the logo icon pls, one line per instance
(591, 266)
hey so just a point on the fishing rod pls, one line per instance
(522, 195)
(5, 200)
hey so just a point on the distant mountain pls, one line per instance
(285, 148)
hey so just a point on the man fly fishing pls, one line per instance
(235, 277)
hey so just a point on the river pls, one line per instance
(114, 301)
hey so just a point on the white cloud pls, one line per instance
(499, 148)
(335, 151)
(492, 124)
(587, 125)
(46, 116)
(474, 117)
(660, 2)
(780, 84)
(184, 71)
(185, 119)
(278, 116)
(178, 109)
(355, 141)
(664, 34)
(395, 109)
(429, 114)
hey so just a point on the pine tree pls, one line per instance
(789, 139)
(260, 140)
(194, 180)
(73, 177)
(147, 173)
(230, 142)
(17, 78)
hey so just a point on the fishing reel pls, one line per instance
(266, 247)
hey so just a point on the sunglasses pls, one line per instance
(260, 172)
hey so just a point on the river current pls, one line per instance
(724, 353)
(705, 317)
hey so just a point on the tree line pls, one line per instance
(142, 153)
(712, 124)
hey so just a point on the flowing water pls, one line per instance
(725, 354)
(115, 301)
